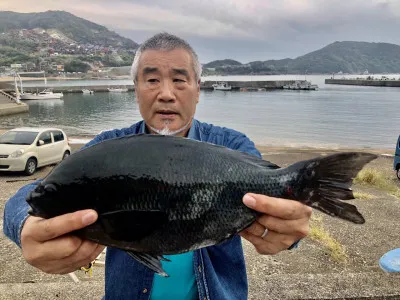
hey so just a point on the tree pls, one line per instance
(76, 66)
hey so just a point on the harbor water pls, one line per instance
(334, 116)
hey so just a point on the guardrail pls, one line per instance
(10, 97)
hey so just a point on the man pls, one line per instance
(166, 72)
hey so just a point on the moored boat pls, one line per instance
(222, 86)
(45, 94)
(301, 85)
(117, 90)
(87, 91)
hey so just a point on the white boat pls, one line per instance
(222, 86)
(45, 94)
(87, 91)
(117, 90)
(301, 85)
(293, 86)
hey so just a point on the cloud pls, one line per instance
(278, 28)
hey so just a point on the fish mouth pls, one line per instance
(35, 194)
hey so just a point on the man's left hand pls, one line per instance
(287, 222)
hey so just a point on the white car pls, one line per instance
(26, 149)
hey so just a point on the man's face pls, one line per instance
(166, 90)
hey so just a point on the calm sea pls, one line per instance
(334, 116)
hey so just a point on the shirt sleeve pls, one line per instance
(16, 213)
(244, 144)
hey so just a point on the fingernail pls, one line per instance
(89, 218)
(249, 201)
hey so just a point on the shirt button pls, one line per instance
(144, 291)
(199, 268)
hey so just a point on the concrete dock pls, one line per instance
(9, 105)
(364, 82)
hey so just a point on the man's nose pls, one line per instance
(166, 92)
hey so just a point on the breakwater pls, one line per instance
(364, 82)
(237, 85)
(206, 85)
(69, 89)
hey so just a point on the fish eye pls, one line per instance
(50, 187)
(310, 173)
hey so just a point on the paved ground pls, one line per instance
(305, 273)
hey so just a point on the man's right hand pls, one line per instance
(47, 245)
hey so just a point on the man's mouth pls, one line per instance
(167, 113)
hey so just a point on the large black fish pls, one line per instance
(160, 195)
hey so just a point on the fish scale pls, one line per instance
(158, 195)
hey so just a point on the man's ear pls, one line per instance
(136, 91)
(198, 90)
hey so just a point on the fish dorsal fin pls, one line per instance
(258, 161)
(131, 225)
(150, 261)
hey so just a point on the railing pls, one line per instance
(14, 99)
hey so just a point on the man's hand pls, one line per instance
(287, 221)
(47, 245)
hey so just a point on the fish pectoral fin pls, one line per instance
(131, 225)
(150, 261)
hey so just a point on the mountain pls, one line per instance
(347, 57)
(221, 63)
(56, 40)
(75, 29)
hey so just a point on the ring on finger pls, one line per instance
(265, 233)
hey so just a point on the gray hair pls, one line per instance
(167, 42)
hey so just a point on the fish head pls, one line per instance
(43, 201)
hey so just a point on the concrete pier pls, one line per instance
(9, 105)
(364, 82)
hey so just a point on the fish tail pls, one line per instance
(323, 182)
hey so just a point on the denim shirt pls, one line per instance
(220, 270)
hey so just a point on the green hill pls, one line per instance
(77, 29)
(347, 57)
(351, 57)
(41, 41)
(221, 63)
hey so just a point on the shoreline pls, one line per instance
(77, 141)
(10, 79)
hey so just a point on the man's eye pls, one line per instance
(152, 80)
(178, 80)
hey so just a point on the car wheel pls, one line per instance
(398, 173)
(66, 154)
(30, 167)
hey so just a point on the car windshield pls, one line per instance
(18, 137)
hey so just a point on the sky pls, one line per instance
(244, 30)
